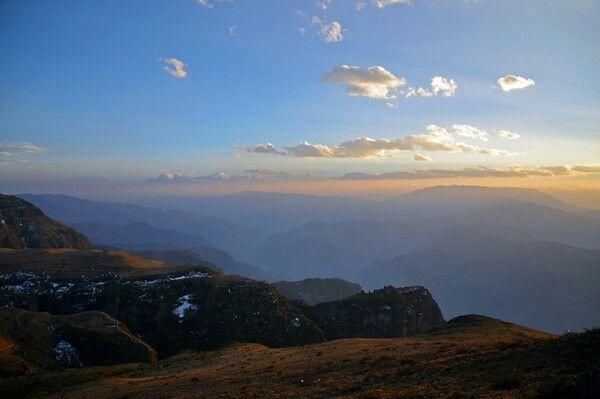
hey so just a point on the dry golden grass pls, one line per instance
(480, 358)
(73, 262)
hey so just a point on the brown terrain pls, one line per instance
(474, 356)
(67, 262)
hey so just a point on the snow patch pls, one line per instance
(66, 354)
(184, 307)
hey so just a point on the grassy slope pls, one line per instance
(474, 355)
(72, 262)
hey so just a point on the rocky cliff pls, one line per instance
(387, 312)
(317, 290)
(198, 309)
(24, 226)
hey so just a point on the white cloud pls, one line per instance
(211, 3)
(433, 139)
(267, 148)
(9, 149)
(385, 3)
(308, 150)
(11, 152)
(175, 68)
(323, 4)
(373, 82)
(444, 86)
(514, 82)
(206, 3)
(420, 92)
(469, 131)
(330, 32)
(507, 134)
(232, 30)
(440, 85)
(421, 158)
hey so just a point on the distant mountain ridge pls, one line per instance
(216, 230)
(169, 246)
(138, 236)
(545, 285)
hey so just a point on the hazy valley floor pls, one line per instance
(473, 357)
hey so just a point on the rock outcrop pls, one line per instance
(24, 226)
(384, 313)
(198, 309)
(36, 339)
(317, 290)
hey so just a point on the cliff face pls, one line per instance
(24, 226)
(198, 309)
(317, 290)
(35, 339)
(388, 312)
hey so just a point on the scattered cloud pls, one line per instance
(246, 176)
(443, 86)
(507, 134)
(175, 68)
(479, 171)
(386, 3)
(271, 175)
(323, 4)
(378, 83)
(421, 158)
(9, 149)
(307, 150)
(232, 30)
(434, 139)
(267, 148)
(373, 82)
(206, 3)
(331, 32)
(212, 3)
(469, 131)
(440, 85)
(11, 152)
(514, 82)
(586, 168)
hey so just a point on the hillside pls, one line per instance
(168, 246)
(66, 262)
(472, 357)
(177, 257)
(197, 309)
(317, 290)
(41, 340)
(23, 226)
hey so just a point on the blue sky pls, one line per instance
(84, 81)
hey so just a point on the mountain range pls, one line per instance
(295, 237)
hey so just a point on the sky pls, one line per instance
(306, 95)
